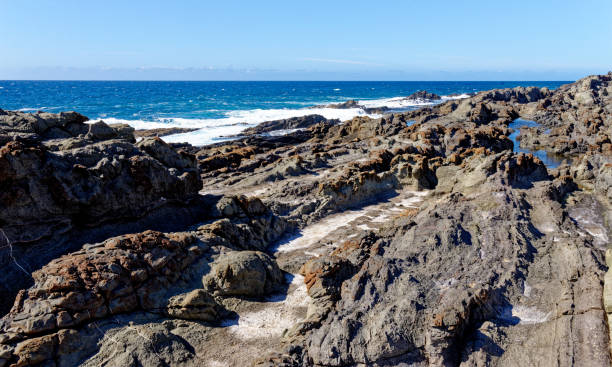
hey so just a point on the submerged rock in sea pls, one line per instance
(159, 132)
(425, 95)
(286, 124)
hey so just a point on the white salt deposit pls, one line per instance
(214, 363)
(523, 315)
(380, 218)
(529, 315)
(445, 284)
(414, 198)
(316, 232)
(280, 313)
(258, 192)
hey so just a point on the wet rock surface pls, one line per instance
(420, 238)
(423, 94)
(162, 132)
(286, 124)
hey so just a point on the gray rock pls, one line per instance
(243, 274)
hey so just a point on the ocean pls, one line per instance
(222, 108)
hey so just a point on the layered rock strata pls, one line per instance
(418, 238)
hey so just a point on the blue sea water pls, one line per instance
(218, 107)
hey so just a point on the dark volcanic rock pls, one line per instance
(48, 192)
(576, 118)
(60, 175)
(287, 124)
(162, 131)
(423, 94)
(351, 103)
(427, 287)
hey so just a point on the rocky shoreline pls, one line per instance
(419, 238)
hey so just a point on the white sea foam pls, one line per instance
(403, 102)
(242, 117)
(394, 103)
(31, 109)
(461, 96)
(234, 123)
(240, 120)
(211, 130)
(36, 109)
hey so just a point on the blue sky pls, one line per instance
(307, 40)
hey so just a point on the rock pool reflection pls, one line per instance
(549, 159)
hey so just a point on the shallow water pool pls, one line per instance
(549, 159)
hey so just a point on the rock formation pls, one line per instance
(424, 95)
(60, 175)
(419, 238)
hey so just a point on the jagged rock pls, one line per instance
(499, 262)
(117, 276)
(124, 131)
(287, 124)
(95, 175)
(225, 160)
(408, 295)
(164, 153)
(162, 132)
(197, 305)
(351, 103)
(576, 117)
(150, 271)
(423, 94)
(43, 125)
(253, 226)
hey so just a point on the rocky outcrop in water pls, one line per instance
(351, 103)
(162, 132)
(286, 124)
(424, 95)
(418, 238)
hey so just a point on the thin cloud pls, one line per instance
(339, 61)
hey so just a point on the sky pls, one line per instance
(305, 40)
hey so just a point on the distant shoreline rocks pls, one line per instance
(423, 94)
(159, 132)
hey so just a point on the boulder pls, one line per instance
(243, 274)
(195, 305)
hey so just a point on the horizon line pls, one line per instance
(280, 81)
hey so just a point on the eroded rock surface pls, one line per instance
(417, 238)
(61, 177)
